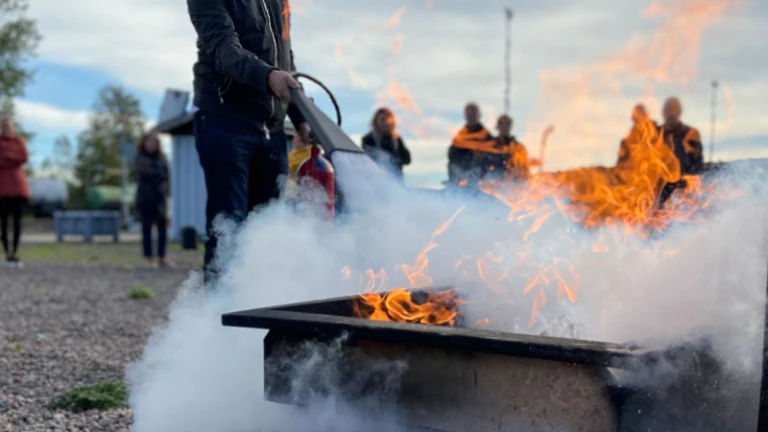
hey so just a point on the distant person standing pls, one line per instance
(515, 162)
(642, 126)
(384, 144)
(684, 140)
(14, 189)
(462, 155)
(151, 168)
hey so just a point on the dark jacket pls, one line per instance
(685, 141)
(152, 190)
(239, 43)
(388, 151)
(462, 160)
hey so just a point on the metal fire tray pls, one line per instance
(332, 318)
(456, 379)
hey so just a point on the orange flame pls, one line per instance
(399, 305)
(439, 307)
(624, 199)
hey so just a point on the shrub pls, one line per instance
(103, 396)
(141, 292)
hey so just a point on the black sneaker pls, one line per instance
(16, 262)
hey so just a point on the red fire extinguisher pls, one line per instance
(316, 184)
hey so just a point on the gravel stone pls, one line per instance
(64, 326)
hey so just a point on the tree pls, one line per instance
(59, 165)
(62, 153)
(116, 116)
(19, 39)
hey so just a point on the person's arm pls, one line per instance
(297, 118)
(405, 154)
(165, 172)
(524, 169)
(694, 150)
(13, 154)
(623, 152)
(367, 143)
(219, 39)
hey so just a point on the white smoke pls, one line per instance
(197, 375)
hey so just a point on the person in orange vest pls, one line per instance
(640, 121)
(515, 163)
(504, 157)
(684, 140)
(462, 161)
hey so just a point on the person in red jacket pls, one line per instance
(14, 189)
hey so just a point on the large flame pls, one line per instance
(429, 307)
(626, 201)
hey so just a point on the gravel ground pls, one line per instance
(69, 325)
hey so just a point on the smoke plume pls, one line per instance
(705, 278)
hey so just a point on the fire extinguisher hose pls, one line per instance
(298, 75)
(329, 135)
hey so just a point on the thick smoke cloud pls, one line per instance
(701, 279)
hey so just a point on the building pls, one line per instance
(188, 193)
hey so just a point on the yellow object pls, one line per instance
(296, 157)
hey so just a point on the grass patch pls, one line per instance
(118, 254)
(103, 396)
(141, 292)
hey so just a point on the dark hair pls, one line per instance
(142, 149)
(472, 105)
(504, 118)
(383, 110)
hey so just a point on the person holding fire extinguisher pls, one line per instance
(242, 89)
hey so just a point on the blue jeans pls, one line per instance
(243, 170)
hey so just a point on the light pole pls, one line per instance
(127, 153)
(508, 60)
(713, 122)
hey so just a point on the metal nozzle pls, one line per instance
(329, 135)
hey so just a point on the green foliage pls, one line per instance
(59, 165)
(104, 396)
(116, 116)
(19, 39)
(141, 292)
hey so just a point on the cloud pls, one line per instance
(39, 115)
(428, 61)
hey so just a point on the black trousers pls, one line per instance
(11, 208)
(242, 171)
(146, 236)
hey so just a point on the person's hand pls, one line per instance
(304, 132)
(281, 83)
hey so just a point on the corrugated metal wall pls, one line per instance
(188, 194)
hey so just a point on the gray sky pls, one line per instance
(578, 65)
